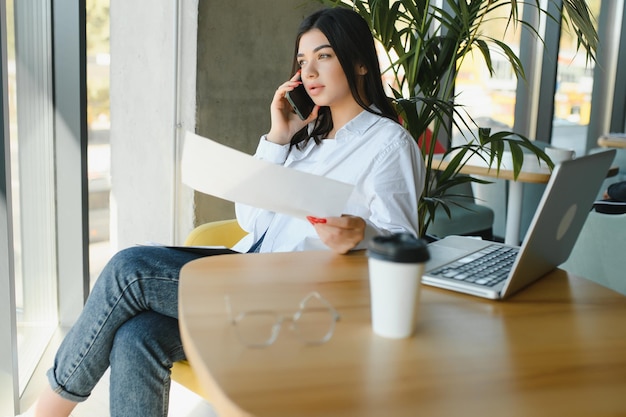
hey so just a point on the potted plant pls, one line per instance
(426, 45)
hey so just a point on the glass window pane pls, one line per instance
(32, 162)
(98, 119)
(572, 100)
(490, 99)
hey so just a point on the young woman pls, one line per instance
(129, 321)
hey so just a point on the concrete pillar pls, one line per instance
(245, 50)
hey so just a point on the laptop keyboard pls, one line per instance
(487, 267)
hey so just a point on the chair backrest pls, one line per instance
(598, 254)
(219, 233)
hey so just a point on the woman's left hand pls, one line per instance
(339, 233)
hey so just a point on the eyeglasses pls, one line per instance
(313, 325)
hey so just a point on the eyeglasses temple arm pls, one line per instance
(324, 301)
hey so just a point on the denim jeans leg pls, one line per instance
(145, 347)
(135, 280)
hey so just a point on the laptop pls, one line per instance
(464, 264)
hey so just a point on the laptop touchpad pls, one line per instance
(440, 255)
(451, 248)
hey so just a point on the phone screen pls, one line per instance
(300, 101)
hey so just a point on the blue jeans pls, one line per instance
(130, 324)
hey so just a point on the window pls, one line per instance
(99, 124)
(490, 100)
(32, 153)
(572, 98)
(43, 119)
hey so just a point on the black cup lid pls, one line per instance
(398, 247)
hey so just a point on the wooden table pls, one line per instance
(557, 348)
(612, 141)
(516, 191)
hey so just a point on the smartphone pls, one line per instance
(300, 101)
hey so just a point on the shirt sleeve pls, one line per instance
(271, 152)
(393, 189)
(254, 220)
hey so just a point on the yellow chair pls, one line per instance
(218, 233)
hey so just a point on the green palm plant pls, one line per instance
(426, 45)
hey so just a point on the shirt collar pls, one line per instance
(358, 125)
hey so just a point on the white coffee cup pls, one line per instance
(558, 155)
(396, 264)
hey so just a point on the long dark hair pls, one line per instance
(351, 39)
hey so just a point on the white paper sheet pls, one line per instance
(223, 172)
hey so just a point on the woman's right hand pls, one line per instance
(285, 122)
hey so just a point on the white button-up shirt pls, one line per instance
(372, 152)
